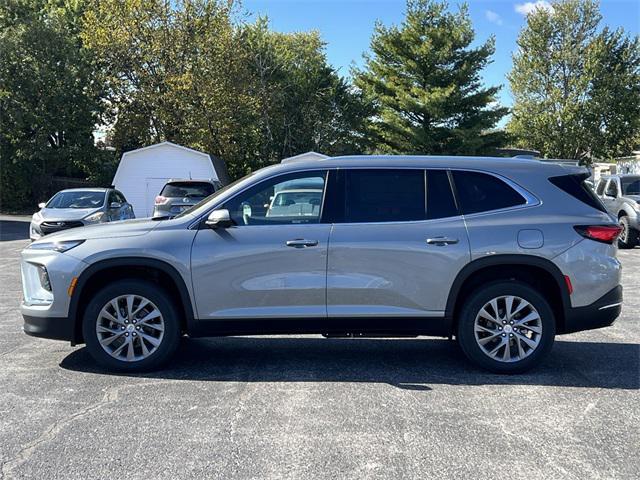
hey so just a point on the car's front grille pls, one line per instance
(51, 227)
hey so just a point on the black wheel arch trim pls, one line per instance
(91, 270)
(506, 260)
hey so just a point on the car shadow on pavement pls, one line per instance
(409, 364)
(13, 230)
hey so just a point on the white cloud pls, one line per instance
(528, 7)
(493, 17)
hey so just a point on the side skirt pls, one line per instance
(376, 326)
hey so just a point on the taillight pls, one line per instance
(599, 233)
(160, 200)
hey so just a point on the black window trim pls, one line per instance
(199, 223)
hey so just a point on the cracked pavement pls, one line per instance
(308, 407)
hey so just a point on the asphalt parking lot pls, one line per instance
(307, 407)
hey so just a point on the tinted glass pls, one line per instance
(384, 195)
(480, 192)
(187, 189)
(600, 187)
(440, 201)
(286, 199)
(575, 186)
(630, 185)
(76, 200)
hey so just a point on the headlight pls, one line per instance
(56, 246)
(94, 217)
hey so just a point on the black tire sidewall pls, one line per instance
(478, 299)
(632, 235)
(159, 297)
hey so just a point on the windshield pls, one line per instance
(187, 189)
(630, 185)
(217, 193)
(77, 199)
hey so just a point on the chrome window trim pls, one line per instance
(530, 199)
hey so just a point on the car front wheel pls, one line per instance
(506, 327)
(131, 325)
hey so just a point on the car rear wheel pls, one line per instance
(506, 327)
(131, 325)
(628, 237)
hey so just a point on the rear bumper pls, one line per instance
(600, 313)
(54, 328)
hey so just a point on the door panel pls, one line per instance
(250, 272)
(389, 269)
(273, 262)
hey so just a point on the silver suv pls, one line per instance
(621, 195)
(502, 254)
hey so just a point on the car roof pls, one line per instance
(498, 164)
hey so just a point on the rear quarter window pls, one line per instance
(481, 192)
(575, 186)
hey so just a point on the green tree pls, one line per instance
(425, 82)
(576, 89)
(302, 103)
(49, 101)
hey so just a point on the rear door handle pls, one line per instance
(301, 243)
(441, 241)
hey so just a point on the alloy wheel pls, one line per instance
(508, 328)
(130, 328)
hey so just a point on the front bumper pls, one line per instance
(601, 313)
(54, 328)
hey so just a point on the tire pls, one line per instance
(154, 327)
(479, 336)
(629, 236)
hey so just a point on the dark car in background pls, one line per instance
(179, 194)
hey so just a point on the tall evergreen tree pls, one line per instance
(424, 80)
(576, 89)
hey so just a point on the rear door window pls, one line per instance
(481, 192)
(600, 188)
(384, 195)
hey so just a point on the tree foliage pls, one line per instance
(189, 72)
(424, 79)
(49, 99)
(576, 88)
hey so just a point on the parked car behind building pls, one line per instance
(77, 207)
(621, 195)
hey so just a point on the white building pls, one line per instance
(142, 173)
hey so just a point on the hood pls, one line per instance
(124, 228)
(66, 214)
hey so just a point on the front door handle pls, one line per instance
(301, 243)
(441, 241)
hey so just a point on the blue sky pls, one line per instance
(346, 25)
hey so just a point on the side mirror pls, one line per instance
(41, 205)
(115, 205)
(219, 219)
